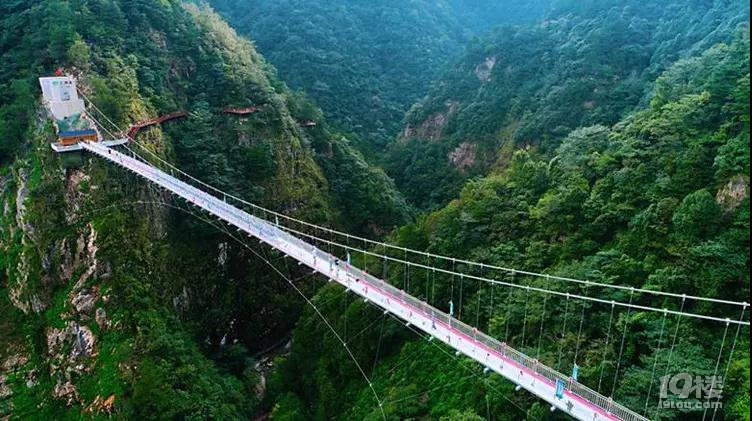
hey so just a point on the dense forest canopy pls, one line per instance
(605, 140)
(650, 202)
(532, 85)
(85, 233)
(366, 62)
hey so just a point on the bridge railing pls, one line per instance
(480, 338)
(491, 344)
(269, 229)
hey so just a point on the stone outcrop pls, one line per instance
(731, 195)
(463, 156)
(483, 70)
(433, 126)
(85, 300)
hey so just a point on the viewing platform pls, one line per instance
(61, 148)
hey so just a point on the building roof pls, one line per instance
(73, 133)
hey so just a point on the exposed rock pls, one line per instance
(80, 337)
(5, 390)
(21, 194)
(73, 186)
(100, 316)
(55, 340)
(66, 391)
(13, 362)
(66, 264)
(31, 379)
(84, 301)
(85, 256)
(89, 253)
(433, 126)
(83, 345)
(463, 156)
(37, 306)
(102, 405)
(18, 290)
(4, 182)
(11, 365)
(181, 302)
(47, 260)
(483, 70)
(260, 387)
(731, 195)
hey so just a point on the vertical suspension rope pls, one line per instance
(579, 330)
(524, 320)
(715, 371)
(655, 362)
(490, 308)
(731, 355)
(623, 337)
(477, 310)
(384, 268)
(405, 280)
(605, 348)
(509, 311)
(433, 287)
(365, 257)
(563, 333)
(346, 253)
(314, 240)
(408, 277)
(671, 351)
(540, 334)
(344, 315)
(428, 277)
(378, 346)
(451, 290)
(462, 283)
(331, 241)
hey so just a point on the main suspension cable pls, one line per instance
(404, 249)
(518, 286)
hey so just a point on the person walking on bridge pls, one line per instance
(451, 312)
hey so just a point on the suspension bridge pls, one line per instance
(573, 398)
(561, 391)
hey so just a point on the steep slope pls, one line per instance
(115, 299)
(587, 63)
(364, 63)
(481, 15)
(659, 201)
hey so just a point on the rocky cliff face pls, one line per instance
(110, 289)
(532, 85)
(53, 273)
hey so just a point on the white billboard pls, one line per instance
(58, 89)
(61, 97)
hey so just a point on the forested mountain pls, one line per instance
(479, 15)
(659, 200)
(111, 298)
(606, 140)
(586, 63)
(366, 62)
